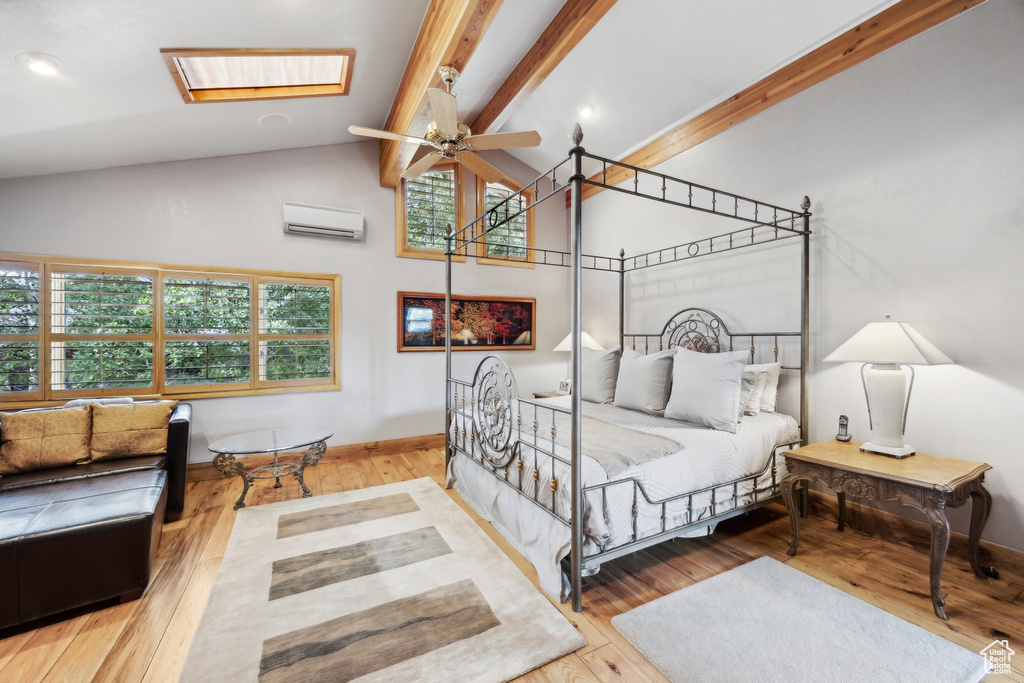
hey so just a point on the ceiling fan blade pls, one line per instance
(481, 167)
(442, 105)
(422, 166)
(374, 133)
(529, 138)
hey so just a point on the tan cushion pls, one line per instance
(44, 439)
(128, 431)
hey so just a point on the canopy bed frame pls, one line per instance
(498, 430)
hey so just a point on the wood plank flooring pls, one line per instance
(147, 639)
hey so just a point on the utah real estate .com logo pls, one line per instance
(998, 654)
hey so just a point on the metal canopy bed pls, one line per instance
(530, 451)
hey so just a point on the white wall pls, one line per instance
(226, 212)
(914, 162)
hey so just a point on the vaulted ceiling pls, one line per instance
(661, 75)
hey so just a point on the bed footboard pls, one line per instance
(492, 426)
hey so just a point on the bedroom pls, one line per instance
(909, 160)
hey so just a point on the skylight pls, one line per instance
(232, 75)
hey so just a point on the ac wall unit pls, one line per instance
(325, 221)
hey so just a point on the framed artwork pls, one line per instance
(478, 323)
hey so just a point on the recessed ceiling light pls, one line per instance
(274, 120)
(586, 110)
(39, 62)
(224, 75)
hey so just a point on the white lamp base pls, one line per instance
(891, 451)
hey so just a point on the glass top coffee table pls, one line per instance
(276, 440)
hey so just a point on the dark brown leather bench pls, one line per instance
(65, 545)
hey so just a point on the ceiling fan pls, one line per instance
(451, 138)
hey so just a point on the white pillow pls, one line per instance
(644, 381)
(770, 394)
(79, 402)
(757, 395)
(706, 388)
(748, 383)
(599, 370)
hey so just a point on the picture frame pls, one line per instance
(479, 323)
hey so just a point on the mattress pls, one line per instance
(706, 458)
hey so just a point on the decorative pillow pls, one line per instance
(644, 381)
(770, 395)
(757, 394)
(600, 368)
(125, 431)
(706, 388)
(43, 439)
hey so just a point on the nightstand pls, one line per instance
(923, 481)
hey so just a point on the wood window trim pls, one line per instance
(402, 248)
(47, 264)
(481, 246)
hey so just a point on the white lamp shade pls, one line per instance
(888, 343)
(587, 342)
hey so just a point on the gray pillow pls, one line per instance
(597, 380)
(644, 381)
(706, 388)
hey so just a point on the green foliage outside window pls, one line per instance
(430, 209)
(102, 331)
(510, 238)
(19, 328)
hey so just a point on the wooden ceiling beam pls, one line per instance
(882, 31)
(449, 34)
(565, 31)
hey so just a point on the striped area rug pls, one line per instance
(391, 583)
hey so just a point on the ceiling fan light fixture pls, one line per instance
(586, 110)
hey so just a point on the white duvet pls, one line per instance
(707, 458)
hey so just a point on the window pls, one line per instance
(20, 344)
(426, 207)
(231, 75)
(509, 242)
(206, 331)
(101, 331)
(295, 332)
(86, 329)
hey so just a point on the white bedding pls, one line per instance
(707, 458)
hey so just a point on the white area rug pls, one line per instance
(390, 583)
(765, 621)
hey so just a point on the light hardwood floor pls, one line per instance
(147, 639)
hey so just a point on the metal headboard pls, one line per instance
(698, 329)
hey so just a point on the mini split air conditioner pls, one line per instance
(325, 221)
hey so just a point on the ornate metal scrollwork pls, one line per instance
(228, 466)
(495, 411)
(314, 452)
(697, 330)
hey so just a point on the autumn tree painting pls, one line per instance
(477, 323)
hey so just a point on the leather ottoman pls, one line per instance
(68, 544)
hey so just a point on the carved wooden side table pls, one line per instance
(929, 483)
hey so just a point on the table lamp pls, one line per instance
(886, 349)
(586, 341)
